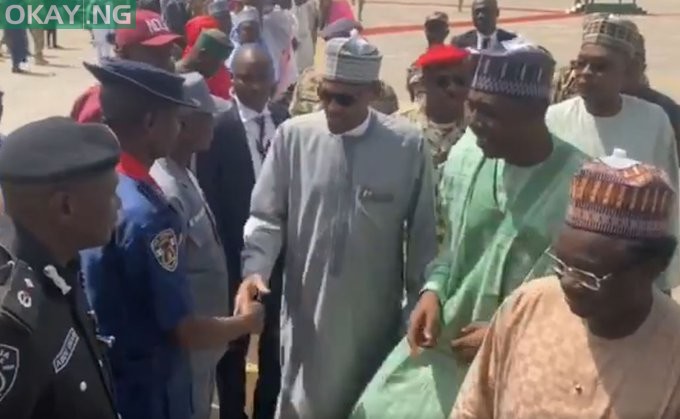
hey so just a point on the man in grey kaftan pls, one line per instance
(342, 206)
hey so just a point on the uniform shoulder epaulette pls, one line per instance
(21, 292)
(153, 195)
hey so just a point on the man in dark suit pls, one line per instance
(485, 35)
(227, 174)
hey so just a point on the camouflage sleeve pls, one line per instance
(387, 101)
(305, 97)
(563, 84)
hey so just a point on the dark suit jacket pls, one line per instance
(225, 173)
(469, 38)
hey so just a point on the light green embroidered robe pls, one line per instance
(501, 220)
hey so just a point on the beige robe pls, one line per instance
(540, 361)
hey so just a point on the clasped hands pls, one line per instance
(247, 304)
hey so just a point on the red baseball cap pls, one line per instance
(150, 30)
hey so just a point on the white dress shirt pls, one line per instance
(492, 43)
(250, 124)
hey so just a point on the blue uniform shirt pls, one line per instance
(140, 293)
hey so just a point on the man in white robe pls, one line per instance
(306, 14)
(601, 118)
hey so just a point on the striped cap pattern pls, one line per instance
(613, 32)
(352, 60)
(634, 202)
(526, 71)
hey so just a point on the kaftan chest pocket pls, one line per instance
(377, 205)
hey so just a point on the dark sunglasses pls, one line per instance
(444, 81)
(341, 99)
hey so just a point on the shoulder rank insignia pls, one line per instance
(23, 296)
(9, 367)
(165, 247)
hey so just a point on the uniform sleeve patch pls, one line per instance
(66, 352)
(165, 248)
(9, 368)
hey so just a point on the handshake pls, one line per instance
(252, 315)
(247, 305)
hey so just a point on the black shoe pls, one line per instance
(18, 70)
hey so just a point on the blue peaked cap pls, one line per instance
(145, 77)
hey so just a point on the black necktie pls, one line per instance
(260, 143)
(485, 42)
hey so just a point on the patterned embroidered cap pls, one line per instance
(352, 60)
(621, 197)
(637, 38)
(612, 32)
(519, 69)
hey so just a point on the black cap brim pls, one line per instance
(104, 76)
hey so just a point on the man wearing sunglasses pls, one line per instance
(349, 192)
(601, 118)
(598, 339)
(503, 191)
(305, 95)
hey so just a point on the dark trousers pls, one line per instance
(17, 44)
(51, 38)
(231, 375)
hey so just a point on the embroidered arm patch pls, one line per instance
(165, 248)
(66, 352)
(9, 368)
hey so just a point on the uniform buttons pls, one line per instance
(83, 386)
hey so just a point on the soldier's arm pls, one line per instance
(21, 378)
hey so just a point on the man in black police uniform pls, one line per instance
(58, 182)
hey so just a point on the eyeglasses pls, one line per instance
(342, 99)
(586, 279)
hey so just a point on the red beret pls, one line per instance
(441, 54)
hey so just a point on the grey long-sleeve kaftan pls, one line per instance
(341, 208)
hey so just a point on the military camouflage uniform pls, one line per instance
(440, 139)
(564, 84)
(306, 100)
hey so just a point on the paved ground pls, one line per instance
(393, 25)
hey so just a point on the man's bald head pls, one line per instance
(485, 3)
(253, 74)
(484, 15)
(251, 54)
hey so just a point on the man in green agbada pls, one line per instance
(504, 188)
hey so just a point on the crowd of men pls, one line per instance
(504, 248)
